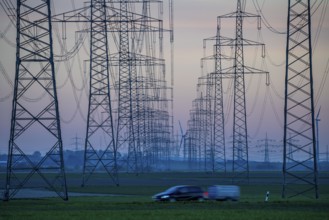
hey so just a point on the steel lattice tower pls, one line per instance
(215, 158)
(125, 129)
(135, 89)
(238, 71)
(35, 123)
(266, 151)
(266, 144)
(100, 120)
(195, 133)
(299, 172)
(218, 161)
(219, 128)
(240, 134)
(209, 151)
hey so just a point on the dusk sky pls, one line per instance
(195, 20)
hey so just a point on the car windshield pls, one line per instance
(171, 189)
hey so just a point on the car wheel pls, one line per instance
(172, 200)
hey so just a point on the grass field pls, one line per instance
(132, 200)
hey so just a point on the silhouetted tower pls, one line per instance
(100, 120)
(138, 80)
(299, 105)
(266, 153)
(127, 80)
(195, 140)
(219, 131)
(35, 123)
(76, 142)
(214, 113)
(209, 148)
(240, 138)
(240, 134)
(215, 144)
(266, 144)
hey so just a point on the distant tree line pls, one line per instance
(74, 159)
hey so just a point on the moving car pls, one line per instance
(224, 192)
(179, 193)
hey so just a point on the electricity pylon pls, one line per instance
(207, 118)
(196, 132)
(266, 143)
(100, 122)
(100, 118)
(127, 93)
(240, 134)
(300, 175)
(35, 123)
(142, 117)
(216, 160)
(137, 88)
(219, 125)
(209, 151)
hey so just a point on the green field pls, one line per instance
(132, 200)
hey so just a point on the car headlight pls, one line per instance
(165, 197)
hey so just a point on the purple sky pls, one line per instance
(194, 21)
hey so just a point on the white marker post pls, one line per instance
(267, 196)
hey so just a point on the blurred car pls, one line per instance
(224, 192)
(180, 193)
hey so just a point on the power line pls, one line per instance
(267, 24)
